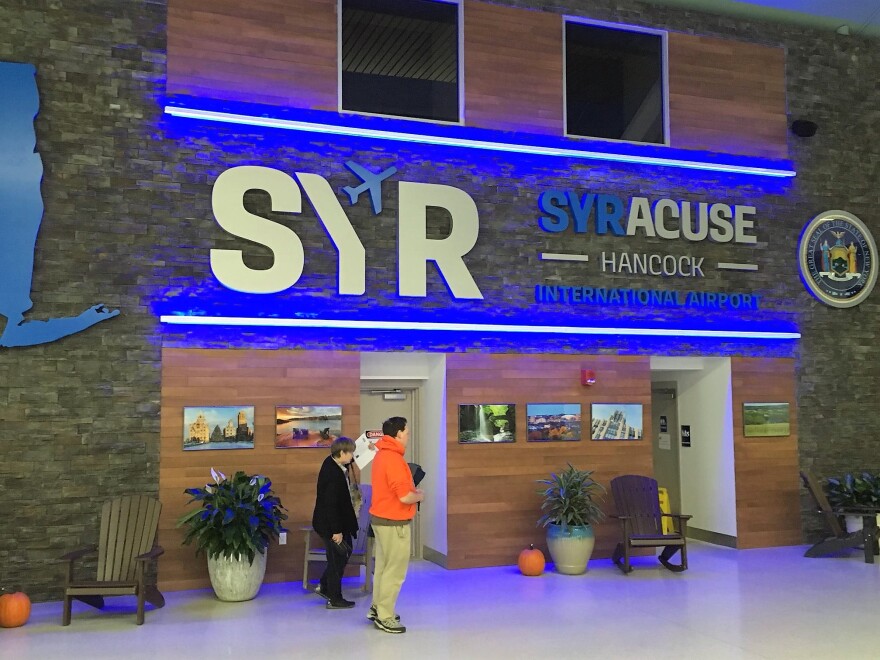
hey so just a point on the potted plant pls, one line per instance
(569, 511)
(235, 521)
(851, 493)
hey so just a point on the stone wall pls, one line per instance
(128, 223)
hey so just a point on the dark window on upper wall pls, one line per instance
(400, 58)
(614, 83)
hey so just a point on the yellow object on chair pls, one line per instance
(668, 527)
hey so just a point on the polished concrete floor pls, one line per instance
(730, 604)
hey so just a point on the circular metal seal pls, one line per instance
(837, 259)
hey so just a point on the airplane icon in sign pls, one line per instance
(371, 182)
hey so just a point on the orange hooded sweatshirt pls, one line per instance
(392, 479)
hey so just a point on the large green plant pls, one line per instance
(570, 498)
(237, 517)
(853, 491)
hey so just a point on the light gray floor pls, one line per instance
(731, 604)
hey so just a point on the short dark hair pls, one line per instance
(393, 425)
(340, 445)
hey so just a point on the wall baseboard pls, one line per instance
(711, 537)
(434, 556)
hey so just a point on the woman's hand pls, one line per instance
(336, 538)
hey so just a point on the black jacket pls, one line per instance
(334, 513)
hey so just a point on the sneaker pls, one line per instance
(322, 594)
(389, 626)
(339, 604)
(373, 614)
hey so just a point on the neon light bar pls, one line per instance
(470, 327)
(353, 131)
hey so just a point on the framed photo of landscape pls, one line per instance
(307, 426)
(553, 422)
(483, 423)
(766, 420)
(218, 427)
(616, 421)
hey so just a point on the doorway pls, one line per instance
(394, 400)
(666, 440)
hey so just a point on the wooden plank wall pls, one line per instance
(767, 487)
(263, 378)
(279, 52)
(512, 69)
(727, 96)
(492, 505)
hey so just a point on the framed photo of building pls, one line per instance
(482, 423)
(553, 422)
(766, 420)
(307, 426)
(616, 421)
(218, 427)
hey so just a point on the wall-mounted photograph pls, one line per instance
(553, 422)
(307, 426)
(766, 420)
(616, 421)
(218, 427)
(482, 423)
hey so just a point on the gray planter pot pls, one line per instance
(235, 579)
(570, 547)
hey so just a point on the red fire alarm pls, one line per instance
(588, 377)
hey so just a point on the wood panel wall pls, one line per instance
(492, 505)
(512, 69)
(280, 52)
(727, 96)
(264, 379)
(767, 487)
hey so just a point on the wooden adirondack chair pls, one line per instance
(638, 507)
(361, 549)
(126, 544)
(865, 538)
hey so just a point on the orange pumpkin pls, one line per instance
(15, 609)
(531, 561)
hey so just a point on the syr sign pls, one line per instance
(415, 249)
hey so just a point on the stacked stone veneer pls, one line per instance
(128, 222)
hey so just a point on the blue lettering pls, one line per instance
(581, 208)
(609, 211)
(547, 202)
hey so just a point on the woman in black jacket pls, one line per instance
(334, 520)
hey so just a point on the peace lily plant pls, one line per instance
(237, 517)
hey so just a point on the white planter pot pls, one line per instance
(855, 523)
(235, 579)
(570, 548)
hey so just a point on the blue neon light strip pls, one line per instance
(471, 327)
(539, 150)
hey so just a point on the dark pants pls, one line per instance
(331, 580)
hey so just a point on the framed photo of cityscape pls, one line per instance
(218, 427)
(766, 420)
(307, 426)
(616, 421)
(553, 422)
(486, 423)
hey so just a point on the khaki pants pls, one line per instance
(392, 560)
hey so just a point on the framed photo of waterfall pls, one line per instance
(485, 423)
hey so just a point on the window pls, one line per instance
(614, 83)
(400, 57)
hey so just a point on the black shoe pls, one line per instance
(322, 594)
(339, 604)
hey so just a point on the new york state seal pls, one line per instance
(837, 259)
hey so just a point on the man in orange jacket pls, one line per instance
(394, 506)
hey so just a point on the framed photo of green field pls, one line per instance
(766, 420)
